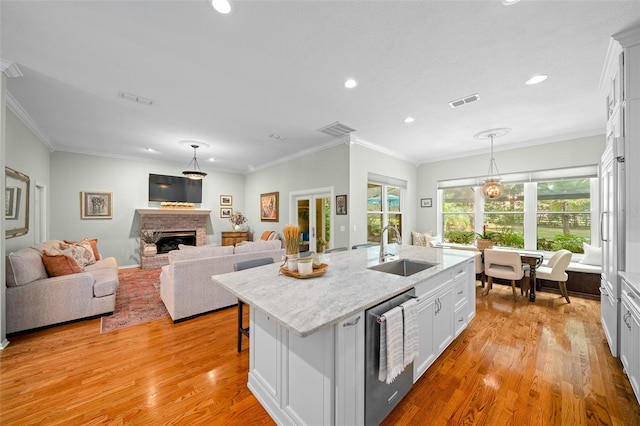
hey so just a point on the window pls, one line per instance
(544, 210)
(458, 214)
(504, 217)
(384, 207)
(563, 215)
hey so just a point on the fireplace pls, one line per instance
(172, 239)
(179, 226)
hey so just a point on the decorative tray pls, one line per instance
(317, 271)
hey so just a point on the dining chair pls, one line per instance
(240, 266)
(555, 270)
(361, 246)
(507, 265)
(335, 249)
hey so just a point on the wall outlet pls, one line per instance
(342, 228)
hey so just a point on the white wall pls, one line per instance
(26, 154)
(322, 169)
(3, 273)
(128, 181)
(570, 153)
(363, 161)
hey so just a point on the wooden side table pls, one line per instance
(231, 238)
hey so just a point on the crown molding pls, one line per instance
(629, 37)
(10, 69)
(20, 112)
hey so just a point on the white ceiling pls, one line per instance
(278, 67)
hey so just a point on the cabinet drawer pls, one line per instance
(632, 297)
(459, 292)
(433, 284)
(461, 318)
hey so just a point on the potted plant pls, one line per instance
(322, 244)
(149, 238)
(484, 240)
(237, 219)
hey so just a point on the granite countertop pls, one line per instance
(633, 278)
(348, 287)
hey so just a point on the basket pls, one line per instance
(482, 244)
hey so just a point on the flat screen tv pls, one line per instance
(174, 188)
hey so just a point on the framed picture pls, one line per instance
(341, 204)
(425, 202)
(225, 212)
(226, 200)
(16, 204)
(96, 205)
(11, 202)
(269, 207)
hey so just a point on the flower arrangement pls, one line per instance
(292, 239)
(237, 218)
(485, 235)
(150, 237)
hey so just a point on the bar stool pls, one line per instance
(240, 266)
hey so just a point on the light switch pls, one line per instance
(342, 228)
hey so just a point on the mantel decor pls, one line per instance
(96, 205)
(269, 207)
(16, 204)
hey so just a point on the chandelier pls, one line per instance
(196, 173)
(492, 187)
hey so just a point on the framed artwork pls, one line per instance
(341, 204)
(225, 212)
(16, 204)
(269, 207)
(96, 205)
(11, 202)
(425, 202)
(226, 200)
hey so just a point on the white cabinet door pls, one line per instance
(350, 371)
(426, 348)
(634, 352)
(443, 321)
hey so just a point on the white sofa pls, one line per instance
(186, 287)
(34, 300)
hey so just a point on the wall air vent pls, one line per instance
(465, 100)
(135, 98)
(336, 129)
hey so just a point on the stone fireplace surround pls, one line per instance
(172, 220)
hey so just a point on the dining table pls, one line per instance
(534, 260)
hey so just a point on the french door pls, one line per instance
(313, 216)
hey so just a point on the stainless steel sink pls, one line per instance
(403, 267)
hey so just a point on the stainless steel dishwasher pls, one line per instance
(380, 397)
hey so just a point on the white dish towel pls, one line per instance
(410, 311)
(391, 345)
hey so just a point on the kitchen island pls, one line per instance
(307, 335)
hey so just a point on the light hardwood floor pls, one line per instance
(543, 363)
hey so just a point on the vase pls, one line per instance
(236, 227)
(482, 244)
(149, 250)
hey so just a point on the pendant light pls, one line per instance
(492, 187)
(196, 173)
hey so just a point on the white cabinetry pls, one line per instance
(444, 310)
(317, 379)
(630, 335)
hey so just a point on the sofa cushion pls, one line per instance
(106, 263)
(199, 253)
(254, 246)
(58, 265)
(26, 266)
(48, 245)
(106, 282)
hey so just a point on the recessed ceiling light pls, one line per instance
(350, 83)
(221, 6)
(536, 79)
(212, 159)
(409, 119)
(509, 2)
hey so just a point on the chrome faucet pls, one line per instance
(383, 255)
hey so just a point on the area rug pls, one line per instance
(137, 300)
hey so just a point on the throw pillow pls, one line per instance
(82, 252)
(93, 243)
(433, 241)
(58, 265)
(420, 238)
(592, 255)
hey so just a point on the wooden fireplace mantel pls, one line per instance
(197, 212)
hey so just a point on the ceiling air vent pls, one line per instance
(465, 100)
(336, 129)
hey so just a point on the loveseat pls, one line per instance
(186, 287)
(57, 281)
